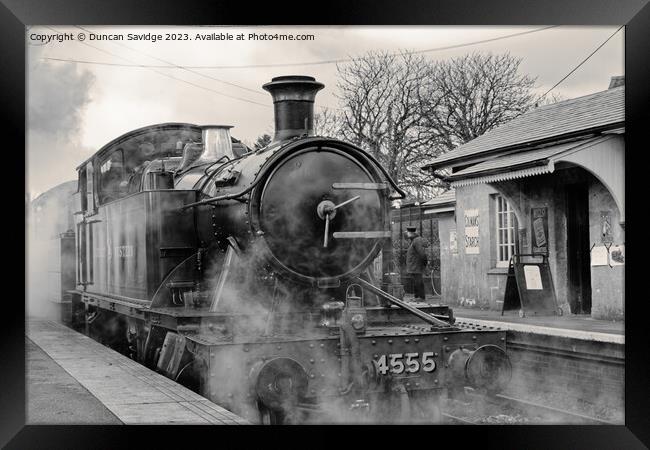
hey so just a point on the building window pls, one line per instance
(505, 231)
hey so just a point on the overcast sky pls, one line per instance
(75, 108)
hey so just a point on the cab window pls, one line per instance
(111, 177)
(90, 187)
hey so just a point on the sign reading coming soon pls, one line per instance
(471, 232)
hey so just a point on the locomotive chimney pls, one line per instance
(293, 102)
(216, 144)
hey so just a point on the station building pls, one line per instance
(551, 182)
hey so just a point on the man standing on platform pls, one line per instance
(416, 261)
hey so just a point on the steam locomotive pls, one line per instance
(244, 274)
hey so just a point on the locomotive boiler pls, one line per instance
(244, 274)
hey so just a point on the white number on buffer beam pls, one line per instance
(398, 363)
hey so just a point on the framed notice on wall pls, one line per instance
(539, 230)
(453, 243)
(471, 232)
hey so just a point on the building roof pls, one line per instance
(520, 159)
(522, 164)
(446, 197)
(574, 117)
(444, 203)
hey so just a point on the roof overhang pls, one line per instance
(520, 164)
(542, 168)
(606, 161)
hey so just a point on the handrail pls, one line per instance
(421, 314)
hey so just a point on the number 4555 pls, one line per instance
(405, 362)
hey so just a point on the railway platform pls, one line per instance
(572, 326)
(71, 379)
(568, 326)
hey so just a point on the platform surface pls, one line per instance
(570, 326)
(103, 386)
(54, 397)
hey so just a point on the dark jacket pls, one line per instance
(416, 257)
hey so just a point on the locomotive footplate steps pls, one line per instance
(130, 391)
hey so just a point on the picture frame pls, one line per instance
(17, 14)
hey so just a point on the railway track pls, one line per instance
(557, 414)
(450, 419)
(503, 409)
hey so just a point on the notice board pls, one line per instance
(472, 232)
(539, 227)
(529, 287)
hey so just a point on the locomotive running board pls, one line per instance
(361, 234)
(421, 314)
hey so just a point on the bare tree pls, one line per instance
(262, 141)
(406, 110)
(385, 103)
(328, 123)
(481, 92)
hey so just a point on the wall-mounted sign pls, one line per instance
(539, 226)
(606, 236)
(471, 232)
(599, 256)
(617, 255)
(453, 242)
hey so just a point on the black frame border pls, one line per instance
(635, 14)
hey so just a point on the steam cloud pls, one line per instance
(57, 95)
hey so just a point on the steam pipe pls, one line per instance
(234, 196)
